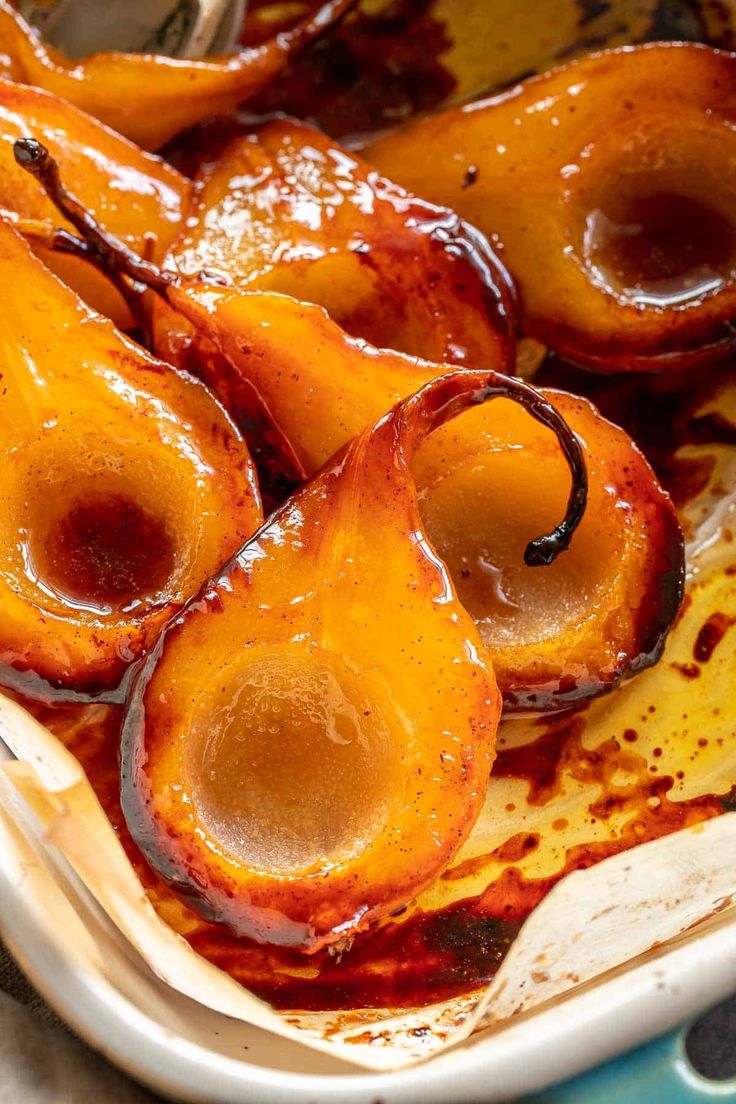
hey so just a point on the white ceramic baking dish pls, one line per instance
(90, 975)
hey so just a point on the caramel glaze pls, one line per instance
(423, 956)
(418, 957)
(110, 552)
(382, 66)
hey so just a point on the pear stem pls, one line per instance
(446, 396)
(103, 249)
(119, 261)
(544, 550)
(61, 241)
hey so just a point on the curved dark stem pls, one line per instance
(446, 396)
(544, 550)
(105, 250)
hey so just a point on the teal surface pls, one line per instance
(657, 1073)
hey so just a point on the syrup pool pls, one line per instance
(107, 552)
(660, 249)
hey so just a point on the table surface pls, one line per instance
(42, 1061)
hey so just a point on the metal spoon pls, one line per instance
(179, 28)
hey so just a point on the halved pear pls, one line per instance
(282, 207)
(310, 741)
(609, 185)
(125, 485)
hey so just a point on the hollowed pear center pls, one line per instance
(104, 523)
(480, 517)
(660, 248)
(651, 207)
(293, 766)
(107, 551)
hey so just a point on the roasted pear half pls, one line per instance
(147, 97)
(136, 196)
(486, 483)
(125, 485)
(310, 741)
(284, 208)
(609, 184)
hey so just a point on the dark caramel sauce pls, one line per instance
(688, 670)
(711, 635)
(387, 62)
(660, 412)
(513, 850)
(421, 956)
(379, 67)
(108, 553)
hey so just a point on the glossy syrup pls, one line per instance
(107, 552)
(661, 249)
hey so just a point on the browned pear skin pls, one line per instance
(310, 742)
(125, 486)
(284, 208)
(148, 97)
(487, 483)
(609, 186)
(136, 196)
